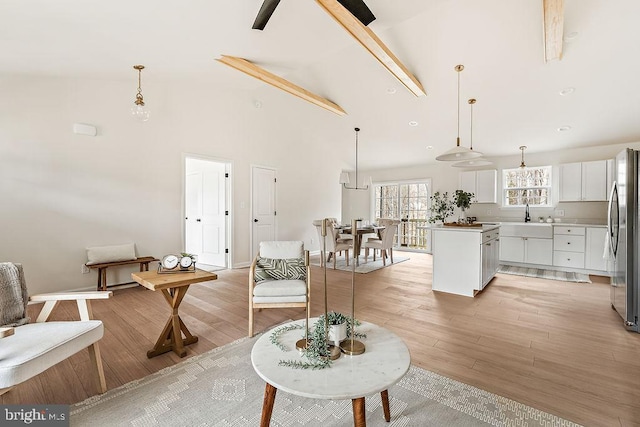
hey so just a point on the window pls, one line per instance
(527, 185)
(408, 202)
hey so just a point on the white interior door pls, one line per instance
(205, 208)
(263, 206)
(193, 212)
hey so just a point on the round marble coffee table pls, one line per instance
(385, 361)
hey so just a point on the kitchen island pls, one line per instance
(465, 258)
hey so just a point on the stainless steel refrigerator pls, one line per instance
(624, 237)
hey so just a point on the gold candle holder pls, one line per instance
(353, 347)
(303, 343)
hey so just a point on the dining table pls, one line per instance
(357, 236)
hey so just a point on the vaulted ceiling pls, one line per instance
(522, 99)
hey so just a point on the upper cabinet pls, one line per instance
(481, 183)
(583, 182)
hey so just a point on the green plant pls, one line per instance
(317, 351)
(441, 207)
(462, 199)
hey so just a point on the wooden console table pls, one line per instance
(102, 269)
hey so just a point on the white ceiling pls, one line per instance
(498, 41)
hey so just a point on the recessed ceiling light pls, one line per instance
(571, 36)
(564, 128)
(391, 90)
(257, 104)
(567, 91)
(429, 147)
(413, 123)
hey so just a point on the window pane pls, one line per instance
(527, 185)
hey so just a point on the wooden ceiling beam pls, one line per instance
(373, 44)
(259, 73)
(553, 11)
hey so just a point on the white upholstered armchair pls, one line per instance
(27, 349)
(279, 277)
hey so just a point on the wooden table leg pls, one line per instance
(103, 279)
(384, 394)
(267, 405)
(171, 336)
(359, 418)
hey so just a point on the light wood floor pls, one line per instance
(556, 346)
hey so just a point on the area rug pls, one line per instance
(220, 388)
(364, 267)
(541, 273)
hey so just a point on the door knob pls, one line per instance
(255, 220)
(198, 220)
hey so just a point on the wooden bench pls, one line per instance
(102, 269)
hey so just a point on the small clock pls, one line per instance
(186, 262)
(170, 262)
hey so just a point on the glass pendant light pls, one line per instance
(139, 111)
(522, 148)
(479, 161)
(458, 152)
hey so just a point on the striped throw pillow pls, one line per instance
(280, 269)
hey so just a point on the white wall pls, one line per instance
(446, 178)
(62, 192)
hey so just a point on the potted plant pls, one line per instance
(462, 199)
(337, 323)
(441, 207)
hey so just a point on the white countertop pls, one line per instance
(485, 227)
(385, 361)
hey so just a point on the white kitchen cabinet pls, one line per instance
(610, 176)
(483, 184)
(568, 246)
(464, 259)
(538, 251)
(570, 178)
(526, 243)
(594, 249)
(512, 249)
(490, 257)
(468, 181)
(583, 181)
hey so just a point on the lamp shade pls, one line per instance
(344, 177)
(480, 161)
(458, 153)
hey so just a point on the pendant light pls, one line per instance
(139, 111)
(522, 148)
(344, 176)
(479, 161)
(458, 152)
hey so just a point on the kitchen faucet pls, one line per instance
(527, 217)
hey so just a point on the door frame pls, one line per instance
(228, 200)
(252, 167)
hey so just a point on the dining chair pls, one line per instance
(29, 348)
(384, 244)
(279, 277)
(334, 243)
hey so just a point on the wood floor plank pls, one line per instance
(556, 346)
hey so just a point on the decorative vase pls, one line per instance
(337, 333)
(463, 218)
